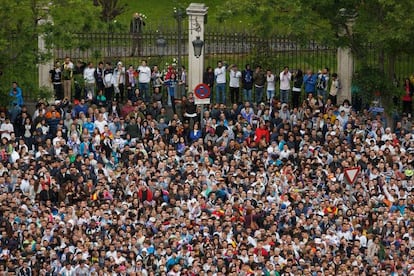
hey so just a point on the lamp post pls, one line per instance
(179, 15)
(161, 43)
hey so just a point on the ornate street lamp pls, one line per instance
(198, 46)
(161, 43)
(179, 16)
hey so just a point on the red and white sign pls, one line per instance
(202, 94)
(351, 174)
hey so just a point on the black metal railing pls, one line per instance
(234, 47)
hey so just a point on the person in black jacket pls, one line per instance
(247, 82)
(208, 77)
(99, 75)
(56, 79)
(259, 80)
(190, 109)
(78, 78)
(135, 28)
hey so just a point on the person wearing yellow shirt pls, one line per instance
(329, 116)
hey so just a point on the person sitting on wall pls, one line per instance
(16, 93)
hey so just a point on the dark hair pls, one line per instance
(334, 75)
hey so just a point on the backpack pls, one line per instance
(339, 85)
(321, 83)
(248, 77)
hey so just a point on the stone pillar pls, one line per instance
(345, 72)
(345, 58)
(46, 66)
(196, 15)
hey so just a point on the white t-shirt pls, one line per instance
(285, 80)
(6, 129)
(101, 125)
(220, 74)
(235, 77)
(89, 75)
(67, 272)
(334, 87)
(57, 140)
(144, 75)
(25, 186)
(270, 82)
(119, 76)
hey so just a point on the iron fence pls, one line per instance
(233, 47)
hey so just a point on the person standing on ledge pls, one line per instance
(136, 26)
(16, 94)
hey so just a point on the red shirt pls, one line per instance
(260, 133)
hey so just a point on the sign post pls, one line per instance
(351, 174)
(202, 96)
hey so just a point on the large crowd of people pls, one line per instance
(102, 183)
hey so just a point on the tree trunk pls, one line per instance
(391, 66)
(381, 60)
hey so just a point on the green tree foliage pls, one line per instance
(71, 17)
(18, 41)
(22, 23)
(110, 9)
(372, 84)
(387, 25)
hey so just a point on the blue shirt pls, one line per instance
(17, 95)
(310, 82)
